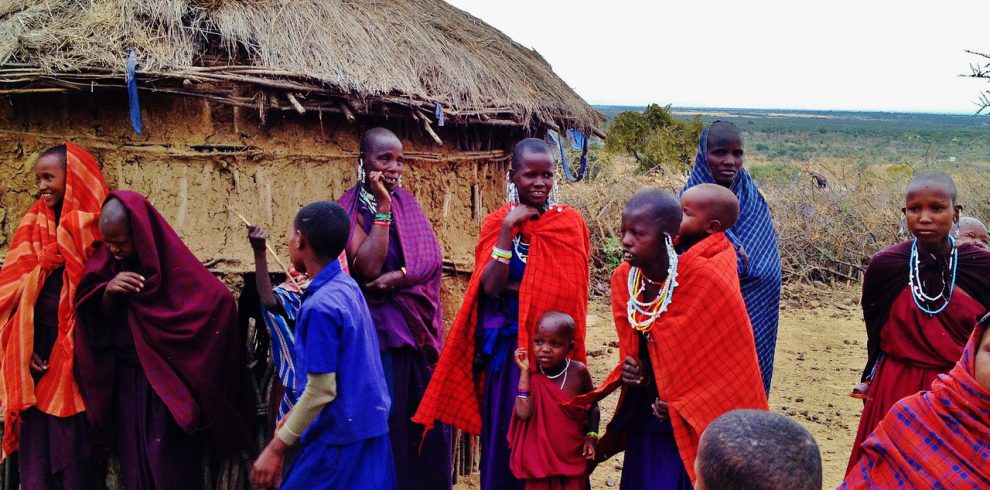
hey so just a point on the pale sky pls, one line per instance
(840, 54)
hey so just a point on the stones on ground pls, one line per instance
(598, 352)
(610, 482)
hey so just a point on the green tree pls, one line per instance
(654, 137)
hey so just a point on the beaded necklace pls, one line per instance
(921, 298)
(567, 364)
(521, 248)
(643, 314)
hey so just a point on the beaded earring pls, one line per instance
(511, 193)
(955, 230)
(902, 229)
(361, 175)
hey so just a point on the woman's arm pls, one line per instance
(496, 275)
(367, 251)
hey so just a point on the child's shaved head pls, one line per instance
(972, 230)
(557, 322)
(757, 450)
(662, 207)
(115, 226)
(708, 209)
(934, 180)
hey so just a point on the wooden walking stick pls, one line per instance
(271, 251)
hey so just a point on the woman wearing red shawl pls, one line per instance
(920, 301)
(532, 257)
(38, 283)
(396, 258)
(937, 438)
(686, 343)
(158, 353)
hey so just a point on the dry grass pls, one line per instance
(425, 50)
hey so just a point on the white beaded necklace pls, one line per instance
(651, 310)
(567, 364)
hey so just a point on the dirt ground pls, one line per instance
(820, 352)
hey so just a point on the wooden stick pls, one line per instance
(270, 250)
(295, 103)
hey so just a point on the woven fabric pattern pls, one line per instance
(704, 357)
(556, 279)
(934, 439)
(38, 247)
(420, 301)
(759, 275)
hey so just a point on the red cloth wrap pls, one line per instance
(556, 279)
(550, 443)
(703, 351)
(184, 324)
(932, 439)
(38, 247)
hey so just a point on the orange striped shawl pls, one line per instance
(40, 246)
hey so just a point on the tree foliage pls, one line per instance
(655, 137)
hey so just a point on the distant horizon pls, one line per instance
(791, 109)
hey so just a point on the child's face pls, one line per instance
(642, 239)
(725, 156)
(534, 178)
(930, 213)
(551, 344)
(386, 157)
(982, 361)
(973, 232)
(50, 173)
(295, 254)
(117, 236)
(697, 221)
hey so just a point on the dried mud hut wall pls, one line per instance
(198, 160)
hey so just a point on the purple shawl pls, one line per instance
(420, 300)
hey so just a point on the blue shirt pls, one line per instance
(335, 334)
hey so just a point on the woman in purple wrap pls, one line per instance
(395, 257)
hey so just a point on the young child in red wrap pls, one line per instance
(551, 440)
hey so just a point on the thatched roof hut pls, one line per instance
(257, 105)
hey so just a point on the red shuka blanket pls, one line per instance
(40, 246)
(703, 352)
(556, 278)
(549, 444)
(936, 437)
(184, 324)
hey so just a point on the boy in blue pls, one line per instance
(341, 418)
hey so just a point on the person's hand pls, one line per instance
(522, 360)
(267, 469)
(386, 283)
(376, 185)
(257, 237)
(519, 215)
(660, 410)
(590, 449)
(38, 365)
(126, 283)
(632, 372)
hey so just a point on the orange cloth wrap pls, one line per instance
(703, 352)
(40, 246)
(556, 279)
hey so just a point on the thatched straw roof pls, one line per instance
(345, 56)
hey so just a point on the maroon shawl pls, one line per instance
(184, 324)
(887, 276)
(420, 300)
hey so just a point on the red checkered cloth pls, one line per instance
(934, 439)
(556, 279)
(703, 352)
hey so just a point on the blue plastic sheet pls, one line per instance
(438, 112)
(132, 93)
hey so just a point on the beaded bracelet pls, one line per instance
(593, 435)
(404, 271)
(523, 394)
(498, 252)
(383, 217)
(501, 260)
(381, 223)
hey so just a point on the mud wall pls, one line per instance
(198, 161)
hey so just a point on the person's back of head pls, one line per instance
(325, 226)
(757, 450)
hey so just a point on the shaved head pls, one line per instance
(972, 230)
(716, 201)
(721, 131)
(115, 226)
(557, 322)
(934, 181)
(114, 214)
(662, 206)
(376, 137)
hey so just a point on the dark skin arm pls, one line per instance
(263, 281)
(524, 406)
(495, 278)
(367, 251)
(634, 377)
(590, 449)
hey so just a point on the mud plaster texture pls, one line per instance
(199, 161)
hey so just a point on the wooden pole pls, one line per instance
(270, 250)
